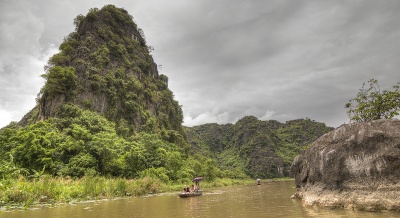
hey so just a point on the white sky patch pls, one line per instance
(268, 115)
(6, 117)
(22, 85)
(207, 117)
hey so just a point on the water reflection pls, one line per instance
(267, 200)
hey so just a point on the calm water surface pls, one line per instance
(268, 200)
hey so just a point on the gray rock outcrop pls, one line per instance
(355, 166)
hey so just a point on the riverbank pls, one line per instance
(23, 193)
(384, 199)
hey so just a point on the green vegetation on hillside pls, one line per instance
(80, 143)
(261, 149)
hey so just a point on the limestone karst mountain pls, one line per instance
(104, 109)
(106, 66)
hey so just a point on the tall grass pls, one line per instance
(52, 190)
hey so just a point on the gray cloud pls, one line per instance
(21, 61)
(272, 59)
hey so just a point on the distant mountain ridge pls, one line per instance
(262, 149)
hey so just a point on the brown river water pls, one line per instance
(271, 199)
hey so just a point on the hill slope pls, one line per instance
(262, 149)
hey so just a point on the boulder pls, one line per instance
(355, 166)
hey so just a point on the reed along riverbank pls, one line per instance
(24, 192)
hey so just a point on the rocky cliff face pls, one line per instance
(355, 166)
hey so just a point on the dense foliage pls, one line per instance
(372, 104)
(80, 143)
(261, 149)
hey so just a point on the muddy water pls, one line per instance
(267, 200)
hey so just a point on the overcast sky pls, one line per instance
(225, 59)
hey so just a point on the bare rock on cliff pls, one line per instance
(355, 166)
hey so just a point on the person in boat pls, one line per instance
(192, 189)
(186, 189)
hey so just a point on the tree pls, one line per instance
(372, 104)
(60, 80)
(78, 20)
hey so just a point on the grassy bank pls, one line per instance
(23, 192)
(51, 190)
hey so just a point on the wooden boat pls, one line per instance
(188, 194)
(197, 191)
